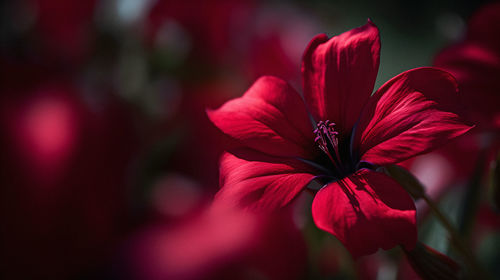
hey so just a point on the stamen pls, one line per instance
(327, 141)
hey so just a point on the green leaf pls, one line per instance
(431, 264)
(495, 183)
(411, 184)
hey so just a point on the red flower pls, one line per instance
(281, 152)
(475, 62)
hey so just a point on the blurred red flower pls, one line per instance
(209, 24)
(64, 165)
(44, 129)
(409, 115)
(220, 244)
(475, 63)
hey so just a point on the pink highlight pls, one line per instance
(45, 130)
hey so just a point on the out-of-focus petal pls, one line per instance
(271, 117)
(260, 182)
(476, 69)
(484, 26)
(409, 115)
(224, 244)
(366, 211)
(339, 74)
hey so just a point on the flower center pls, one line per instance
(328, 142)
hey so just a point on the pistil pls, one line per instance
(327, 141)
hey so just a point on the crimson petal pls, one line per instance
(339, 74)
(409, 115)
(257, 181)
(270, 117)
(366, 211)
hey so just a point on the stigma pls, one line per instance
(327, 141)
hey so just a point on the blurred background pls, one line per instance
(108, 162)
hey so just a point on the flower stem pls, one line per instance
(456, 240)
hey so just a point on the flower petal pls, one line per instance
(271, 117)
(339, 75)
(409, 115)
(254, 180)
(366, 211)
